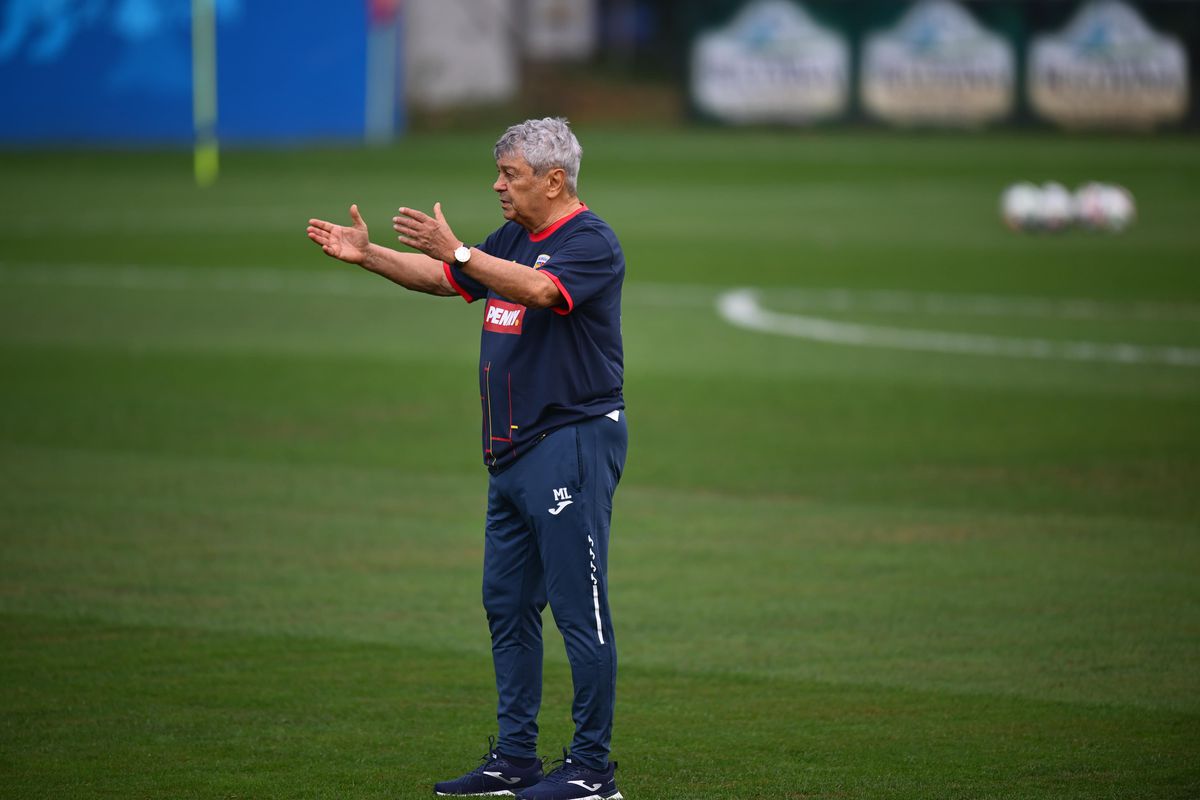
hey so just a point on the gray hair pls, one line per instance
(546, 144)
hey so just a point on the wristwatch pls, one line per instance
(462, 255)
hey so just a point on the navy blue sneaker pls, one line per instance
(495, 776)
(573, 781)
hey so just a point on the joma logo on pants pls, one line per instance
(563, 498)
(502, 317)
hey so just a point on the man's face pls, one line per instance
(522, 194)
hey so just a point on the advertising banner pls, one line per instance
(772, 63)
(938, 66)
(1108, 68)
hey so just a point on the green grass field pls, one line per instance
(241, 504)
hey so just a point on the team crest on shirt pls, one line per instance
(541, 260)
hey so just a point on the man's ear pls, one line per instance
(556, 182)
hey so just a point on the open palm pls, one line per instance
(339, 241)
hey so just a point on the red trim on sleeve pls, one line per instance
(566, 295)
(537, 237)
(454, 284)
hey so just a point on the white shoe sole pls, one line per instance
(501, 793)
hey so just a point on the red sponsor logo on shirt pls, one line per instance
(502, 317)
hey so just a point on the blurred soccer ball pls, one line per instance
(1020, 206)
(1057, 207)
(1119, 208)
(1090, 206)
(1104, 207)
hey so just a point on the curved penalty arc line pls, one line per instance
(741, 308)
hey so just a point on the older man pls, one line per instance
(554, 439)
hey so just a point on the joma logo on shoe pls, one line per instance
(501, 776)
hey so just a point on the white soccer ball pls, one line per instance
(1020, 206)
(1057, 210)
(1119, 208)
(1104, 207)
(1089, 206)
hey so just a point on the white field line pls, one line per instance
(975, 305)
(741, 308)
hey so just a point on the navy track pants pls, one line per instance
(547, 540)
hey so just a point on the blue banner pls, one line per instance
(117, 71)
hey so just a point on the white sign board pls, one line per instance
(772, 63)
(1108, 68)
(938, 66)
(459, 52)
(560, 30)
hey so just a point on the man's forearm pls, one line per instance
(414, 271)
(517, 282)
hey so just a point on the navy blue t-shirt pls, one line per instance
(542, 368)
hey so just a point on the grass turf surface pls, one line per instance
(240, 531)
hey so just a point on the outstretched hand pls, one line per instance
(430, 235)
(348, 244)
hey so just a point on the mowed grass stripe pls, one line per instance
(342, 280)
(1062, 608)
(102, 710)
(850, 209)
(973, 440)
(1143, 333)
(223, 311)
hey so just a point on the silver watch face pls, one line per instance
(462, 255)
